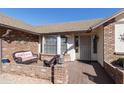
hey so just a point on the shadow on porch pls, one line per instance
(81, 72)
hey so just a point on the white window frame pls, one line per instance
(119, 43)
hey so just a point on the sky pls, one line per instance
(45, 16)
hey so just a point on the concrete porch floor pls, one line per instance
(87, 73)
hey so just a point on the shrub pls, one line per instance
(120, 62)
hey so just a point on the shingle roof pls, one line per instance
(55, 28)
(62, 27)
(11, 22)
(109, 18)
(69, 26)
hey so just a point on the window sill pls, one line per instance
(119, 53)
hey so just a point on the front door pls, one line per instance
(85, 48)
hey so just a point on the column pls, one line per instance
(58, 44)
(43, 42)
(39, 44)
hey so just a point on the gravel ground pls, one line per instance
(6, 78)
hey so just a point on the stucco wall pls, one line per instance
(18, 41)
(93, 55)
(100, 45)
(100, 51)
(71, 47)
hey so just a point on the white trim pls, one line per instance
(58, 44)
(119, 43)
(71, 47)
(43, 42)
(39, 44)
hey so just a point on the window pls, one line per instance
(50, 45)
(119, 38)
(95, 39)
(63, 44)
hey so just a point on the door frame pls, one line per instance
(78, 55)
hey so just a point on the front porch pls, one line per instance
(87, 73)
(73, 45)
(71, 73)
(79, 45)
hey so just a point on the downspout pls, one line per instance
(3, 36)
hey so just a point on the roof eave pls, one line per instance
(66, 32)
(107, 19)
(16, 28)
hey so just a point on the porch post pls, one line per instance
(43, 42)
(39, 45)
(59, 44)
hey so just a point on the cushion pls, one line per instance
(28, 58)
(24, 54)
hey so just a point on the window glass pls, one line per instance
(50, 45)
(119, 38)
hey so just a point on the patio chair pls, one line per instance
(53, 61)
(25, 57)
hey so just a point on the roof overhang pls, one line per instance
(15, 28)
(68, 32)
(107, 19)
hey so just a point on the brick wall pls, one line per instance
(109, 45)
(60, 70)
(22, 41)
(109, 41)
(61, 74)
(28, 70)
(50, 56)
(116, 74)
(18, 41)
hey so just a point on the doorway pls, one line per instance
(85, 48)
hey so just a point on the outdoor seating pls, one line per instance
(25, 57)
